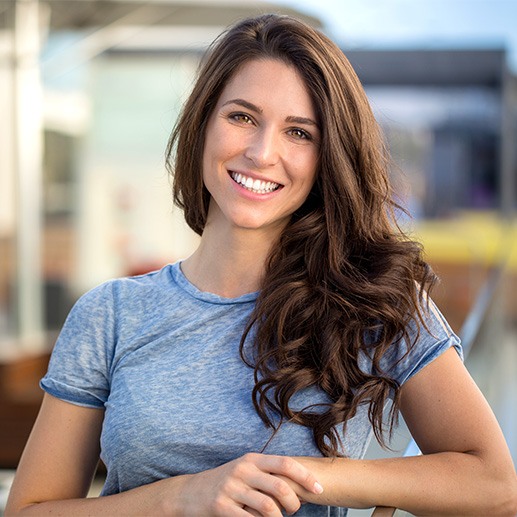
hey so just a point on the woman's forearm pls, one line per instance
(447, 483)
(153, 499)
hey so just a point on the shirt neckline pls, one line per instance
(181, 280)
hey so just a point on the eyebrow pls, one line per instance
(252, 107)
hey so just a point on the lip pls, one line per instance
(248, 193)
(250, 174)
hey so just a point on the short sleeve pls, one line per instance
(428, 342)
(79, 367)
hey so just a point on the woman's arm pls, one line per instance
(60, 458)
(466, 468)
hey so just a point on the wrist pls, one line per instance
(323, 470)
(170, 501)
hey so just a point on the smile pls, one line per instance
(256, 186)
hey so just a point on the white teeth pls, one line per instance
(257, 186)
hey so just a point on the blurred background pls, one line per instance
(90, 89)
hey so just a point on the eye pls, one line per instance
(300, 134)
(241, 118)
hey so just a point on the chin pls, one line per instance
(273, 228)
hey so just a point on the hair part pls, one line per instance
(343, 280)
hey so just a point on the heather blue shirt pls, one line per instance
(162, 359)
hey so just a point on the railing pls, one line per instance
(469, 334)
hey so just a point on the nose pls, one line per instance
(263, 149)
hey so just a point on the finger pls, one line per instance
(290, 468)
(229, 508)
(251, 511)
(278, 488)
(257, 503)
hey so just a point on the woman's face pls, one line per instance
(261, 148)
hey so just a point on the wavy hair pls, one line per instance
(342, 280)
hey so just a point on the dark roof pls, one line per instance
(429, 67)
(80, 14)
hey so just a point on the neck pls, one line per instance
(229, 264)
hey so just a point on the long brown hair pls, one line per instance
(343, 279)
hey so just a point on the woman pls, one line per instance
(246, 379)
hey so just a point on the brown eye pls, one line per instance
(300, 133)
(241, 117)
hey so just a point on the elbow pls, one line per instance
(505, 498)
(512, 503)
(508, 507)
(495, 486)
(494, 490)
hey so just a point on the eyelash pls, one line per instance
(302, 134)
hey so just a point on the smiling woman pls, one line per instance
(248, 378)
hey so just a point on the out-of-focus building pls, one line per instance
(451, 121)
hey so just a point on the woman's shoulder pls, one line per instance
(425, 338)
(121, 290)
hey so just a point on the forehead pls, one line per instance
(270, 83)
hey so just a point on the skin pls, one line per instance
(466, 468)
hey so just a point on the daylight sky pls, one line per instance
(418, 23)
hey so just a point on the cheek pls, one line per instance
(210, 156)
(304, 166)
(314, 165)
(208, 173)
(221, 145)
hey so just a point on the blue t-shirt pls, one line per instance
(162, 358)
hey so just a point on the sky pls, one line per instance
(418, 23)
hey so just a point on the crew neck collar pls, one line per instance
(182, 281)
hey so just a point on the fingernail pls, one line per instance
(318, 489)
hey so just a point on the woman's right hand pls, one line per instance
(250, 485)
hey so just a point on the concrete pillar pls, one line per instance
(28, 132)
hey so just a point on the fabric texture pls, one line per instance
(162, 358)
